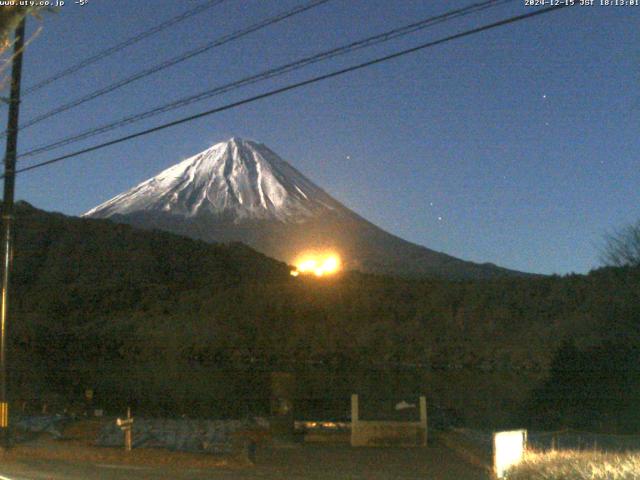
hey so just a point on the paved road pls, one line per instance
(308, 462)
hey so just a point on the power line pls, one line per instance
(174, 61)
(294, 86)
(122, 45)
(271, 73)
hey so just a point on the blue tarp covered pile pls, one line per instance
(211, 436)
(30, 425)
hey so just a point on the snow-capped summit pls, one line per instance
(237, 179)
(241, 191)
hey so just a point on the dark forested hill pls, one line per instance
(164, 322)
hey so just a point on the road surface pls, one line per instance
(308, 462)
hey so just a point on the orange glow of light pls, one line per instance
(319, 265)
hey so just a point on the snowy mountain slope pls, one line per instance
(240, 190)
(237, 179)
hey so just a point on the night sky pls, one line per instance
(517, 146)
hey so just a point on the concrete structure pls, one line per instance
(373, 433)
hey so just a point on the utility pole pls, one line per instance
(7, 221)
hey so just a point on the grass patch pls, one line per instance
(577, 465)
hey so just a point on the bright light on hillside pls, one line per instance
(319, 265)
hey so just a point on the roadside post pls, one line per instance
(126, 425)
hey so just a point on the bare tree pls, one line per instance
(9, 19)
(622, 247)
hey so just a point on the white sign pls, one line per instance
(508, 450)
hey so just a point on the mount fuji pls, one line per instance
(240, 190)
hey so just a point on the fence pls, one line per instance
(577, 440)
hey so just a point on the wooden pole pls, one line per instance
(423, 418)
(7, 220)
